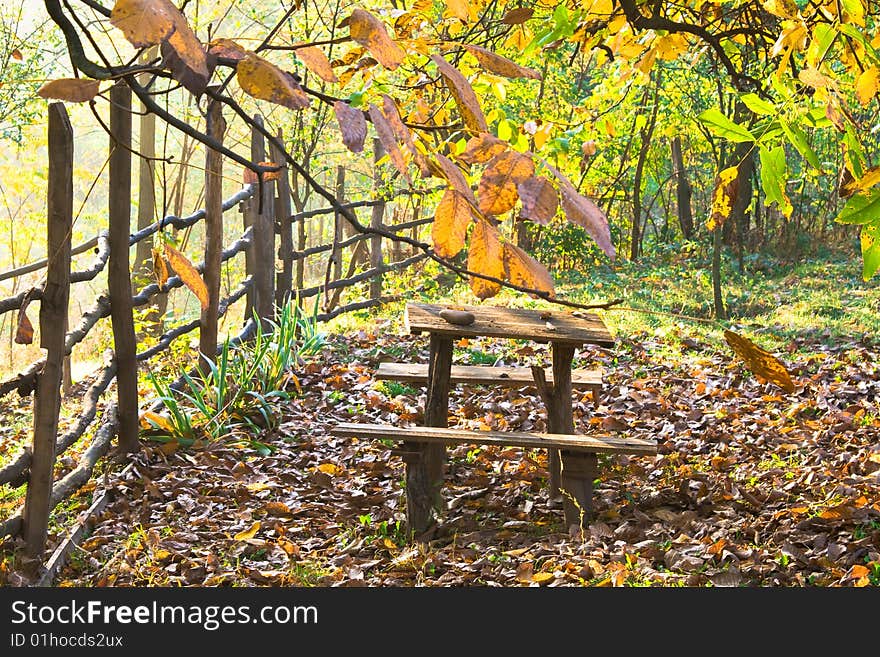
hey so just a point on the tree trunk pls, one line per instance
(376, 218)
(716, 274)
(215, 128)
(646, 134)
(682, 191)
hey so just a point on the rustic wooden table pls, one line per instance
(565, 331)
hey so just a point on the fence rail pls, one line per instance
(264, 287)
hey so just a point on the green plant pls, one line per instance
(396, 388)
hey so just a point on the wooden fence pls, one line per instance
(268, 231)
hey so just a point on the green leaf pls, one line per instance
(854, 153)
(861, 209)
(774, 174)
(798, 139)
(823, 38)
(854, 33)
(870, 250)
(758, 105)
(724, 127)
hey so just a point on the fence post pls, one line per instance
(376, 221)
(284, 281)
(338, 223)
(118, 271)
(53, 315)
(146, 188)
(264, 232)
(215, 127)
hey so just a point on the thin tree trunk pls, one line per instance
(216, 127)
(682, 191)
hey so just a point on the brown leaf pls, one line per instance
(403, 133)
(250, 177)
(316, 61)
(723, 197)
(24, 332)
(524, 572)
(451, 221)
(352, 125)
(227, 49)
(497, 193)
(582, 211)
(539, 199)
(188, 274)
(386, 135)
(72, 90)
(762, 363)
(248, 533)
(485, 257)
(499, 65)
(16, 55)
(522, 269)
(482, 148)
(370, 32)
(463, 94)
(278, 509)
(517, 16)
(262, 79)
(456, 178)
(160, 268)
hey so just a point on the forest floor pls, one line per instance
(751, 486)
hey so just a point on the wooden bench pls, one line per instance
(512, 377)
(578, 459)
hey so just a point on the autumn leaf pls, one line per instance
(456, 178)
(867, 84)
(403, 133)
(723, 197)
(248, 533)
(352, 125)
(262, 79)
(227, 49)
(870, 178)
(386, 135)
(16, 55)
(250, 176)
(160, 268)
(499, 65)
(522, 269)
(485, 257)
(463, 94)
(188, 274)
(149, 418)
(497, 193)
(24, 331)
(451, 220)
(72, 90)
(762, 363)
(582, 211)
(539, 199)
(482, 148)
(316, 61)
(517, 16)
(370, 32)
(457, 9)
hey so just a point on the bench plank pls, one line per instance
(482, 375)
(574, 442)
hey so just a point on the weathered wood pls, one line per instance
(548, 396)
(284, 280)
(579, 469)
(581, 443)
(264, 233)
(424, 476)
(118, 271)
(53, 318)
(338, 225)
(146, 210)
(376, 218)
(562, 421)
(216, 127)
(515, 323)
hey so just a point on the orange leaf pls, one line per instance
(24, 332)
(278, 509)
(582, 211)
(403, 133)
(463, 94)
(762, 363)
(16, 55)
(497, 191)
(451, 221)
(723, 197)
(370, 32)
(330, 468)
(149, 417)
(857, 571)
(249, 533)
(456, 178)
(188, 274)
(352, 125)
(262, 79)
(160, 268)
(72, 90)
(227, 49)
(482, 148)
(386, 135)
(316, 61)
(499, 65)
(485, 257)
(250, 177)
(522, 269)
(539, 199)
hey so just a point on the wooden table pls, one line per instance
(565, 331)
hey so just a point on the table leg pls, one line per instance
(424, 475)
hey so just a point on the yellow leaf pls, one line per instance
(519, 38)
(451, 221)
(868, 180)
(499, 65)
(330, 468)
(316, 61)
(485, 257)
(457, 9)
(463, 94)
(497, 192)
(389, 544)
(723, 197)
(482, 148)
(867, 85)
(262, 79)
(813, 78)
(522, 269)
(249, 533)
(370, 32)
(158, 420)
(781, 8)
(542, 578)
(762, 363)
(160, 268)
(385, 132)
(188, 274)
(72, 90)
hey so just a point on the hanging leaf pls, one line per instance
(485, 256)
(522, 269)
(870, 241)
(482, 148)
(262, 79)
(798, 139)
(539, 199)
(352, 125)
(463, 94)
(451, 220)
(517, 16)
(16, 55)
(499, 65)
(723, 197)
(774, 176)
(160, 269)
(403, 133)
(762, 363)
(459, 9)
(71, 90)
(250, 176)
(497, 193)
(861, 209)
(870, 178)
(370, 32)
(582, 211)
(24, 332)
(386, 135)
(456, 178)
(227, 49)
(867, 84)
(188, 274)
(316, 61)
(724, 127)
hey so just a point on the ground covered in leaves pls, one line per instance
(751, 486)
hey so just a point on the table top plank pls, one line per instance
(515, 323)
(504, 375)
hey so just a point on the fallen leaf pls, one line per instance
(249, 533)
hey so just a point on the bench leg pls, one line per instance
(420, 489)
(578, 472)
